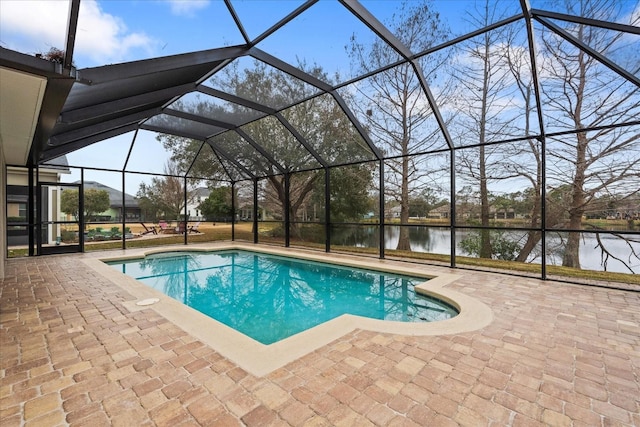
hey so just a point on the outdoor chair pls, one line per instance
(148, 230)
(164, 227)
(194, 228)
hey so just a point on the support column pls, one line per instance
(255, 210)
(81, 217)
(31, 210)
(124, 214)
(185, 210)
(381, 249)
(327, 210)
(233, 211)
(452, 207)
(287, 209)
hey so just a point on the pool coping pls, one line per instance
(259, 359)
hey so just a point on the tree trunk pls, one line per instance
(485, 236)
(404, 243)
(571, 256)
(297, 195)
(294, 229)
(533, 236)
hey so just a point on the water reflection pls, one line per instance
(270, 298)
(437, 241)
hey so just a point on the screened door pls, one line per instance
(60, 223)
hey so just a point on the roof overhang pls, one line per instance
(33, 94)
(20, 105)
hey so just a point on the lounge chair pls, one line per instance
(148, 230)
(164, 227)
(181, 228)
(194, 228)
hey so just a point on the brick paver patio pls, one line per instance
(555, 354)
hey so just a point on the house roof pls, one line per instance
(201, 192)
(115, 196)
(444, 208)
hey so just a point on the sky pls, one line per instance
(113, 31)
(120, 31)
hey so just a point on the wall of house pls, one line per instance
(194, 213)
(17, 181)
(192, 209)
(3, 214)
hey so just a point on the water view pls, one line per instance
(437, 240)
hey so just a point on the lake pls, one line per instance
(436, 240)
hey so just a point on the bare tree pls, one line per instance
(165, 194)
(485, 93)
(579, 92)
(519, 65)
(393, 105)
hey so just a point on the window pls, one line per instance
(22, 210)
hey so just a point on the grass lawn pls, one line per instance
(243, 231)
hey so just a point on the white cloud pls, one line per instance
(104, 37)
(36, 24)
(33, 26)
(187, 7)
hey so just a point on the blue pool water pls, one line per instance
(269, 298)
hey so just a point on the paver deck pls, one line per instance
(554, 354)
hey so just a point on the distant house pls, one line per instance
(245, 210)
(193, 206)
(441, 212)
(468, 211)
(114, 213)
(393, 212)
(502, 213)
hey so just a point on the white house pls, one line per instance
(193, 211)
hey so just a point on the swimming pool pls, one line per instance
(269, 297)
